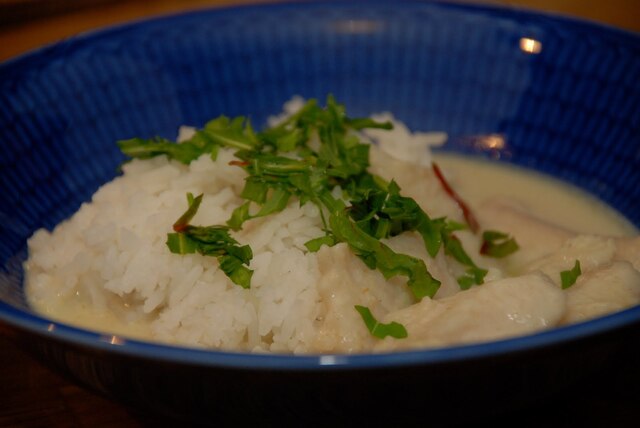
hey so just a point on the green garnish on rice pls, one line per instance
(308, 156)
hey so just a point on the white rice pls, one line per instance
(111, 256)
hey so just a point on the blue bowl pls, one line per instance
(563, 94)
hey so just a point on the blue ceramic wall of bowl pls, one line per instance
(562, 96)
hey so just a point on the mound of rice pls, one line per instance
(110, 258)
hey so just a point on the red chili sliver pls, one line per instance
(466, 211)
(180, 227)
(239, 163)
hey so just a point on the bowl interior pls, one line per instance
(562, 95)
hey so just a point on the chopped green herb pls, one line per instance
(183, 221)
(144, 149)
(236, 133)
(474, 275)
(314, 244)
(466, 281)
(497, 244)
(308, 156)
(211, 241)
(453, 247)
(180, 243)
(569, 277)
(377, 255)
(378, 329)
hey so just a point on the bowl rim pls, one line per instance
(205, 357)
(42, 326)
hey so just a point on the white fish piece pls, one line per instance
(592, 252)
(345, 281)
(609, 289)
(535, 237)
(498, 309)
(628, 249)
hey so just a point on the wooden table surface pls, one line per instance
(34, 396)
(22, 34)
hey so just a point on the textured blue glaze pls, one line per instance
(572, 111)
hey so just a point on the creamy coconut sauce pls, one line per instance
(542, 196)
(77, 312)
